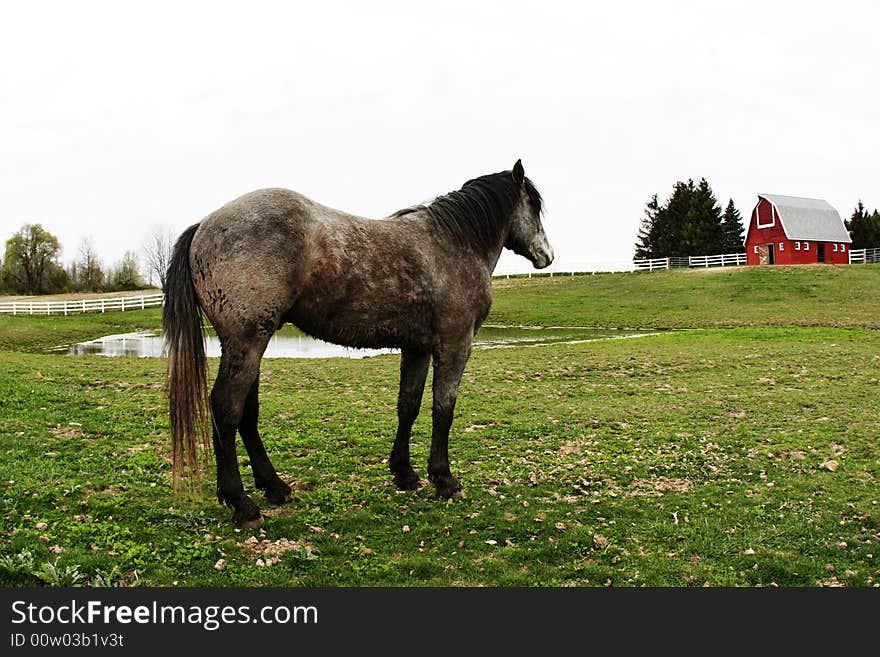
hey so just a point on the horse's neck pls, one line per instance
(494, 254)
(487, 254)
(490, 255)
(492, 258)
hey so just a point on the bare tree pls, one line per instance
(126, 275)
(86, 270)
(157, 253)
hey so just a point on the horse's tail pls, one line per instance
(186, 384)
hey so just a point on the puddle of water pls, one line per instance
(289, 342)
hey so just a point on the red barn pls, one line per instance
(788, 230)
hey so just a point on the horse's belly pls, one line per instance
(405, 328)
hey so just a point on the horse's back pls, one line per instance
(274, 255)
(243, 258)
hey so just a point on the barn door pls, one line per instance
(820, 253)
(771, 249)
(764, 254)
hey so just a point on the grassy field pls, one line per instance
(805, 295)
(35, 333)
(743, 455)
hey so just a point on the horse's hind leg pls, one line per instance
(265, 477)
(413, 371)
(238, 370)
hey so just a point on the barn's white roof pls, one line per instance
(808, 219)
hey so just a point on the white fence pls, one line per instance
(864, 256)
(652, 264)
(721, 260)
(569, 268)
(732, 259)
(80, 305)
(520, 267)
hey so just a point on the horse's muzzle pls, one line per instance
(542, 255)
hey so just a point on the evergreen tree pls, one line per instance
(689, 223)
(646, 245)
(673, 228)
(703, 234)
(732, 232)
(864, 228)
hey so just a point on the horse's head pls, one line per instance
(526, 235)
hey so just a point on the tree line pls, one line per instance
(31, 264)
(691, 223)
(864, 228)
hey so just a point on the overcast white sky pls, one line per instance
(117, 117)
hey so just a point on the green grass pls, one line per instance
(728, 456)
(41, 333)
(819, 295)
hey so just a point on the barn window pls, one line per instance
(843, 247)
(806, 246)
(835, 247)
(797, 246)
(772, 217)
(756, 248)
(782, 246)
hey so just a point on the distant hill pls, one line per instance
(804, 295)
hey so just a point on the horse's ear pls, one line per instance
(519, 174)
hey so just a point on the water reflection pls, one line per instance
(291, 343)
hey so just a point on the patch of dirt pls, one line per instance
(269, 553)
(474, 427)
(656, 486)
(66, 433)
(571, 448)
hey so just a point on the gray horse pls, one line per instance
(419, 280)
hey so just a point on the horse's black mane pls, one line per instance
(478, 209)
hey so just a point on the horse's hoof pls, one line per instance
(407, 481)
(448, 488)
(247, 514)
(251, 523)
(247, 520)
(280, 493)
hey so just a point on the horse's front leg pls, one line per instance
(449, 362)
(413, 372)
